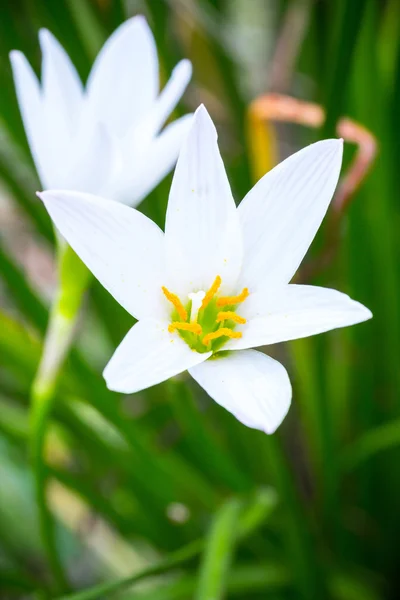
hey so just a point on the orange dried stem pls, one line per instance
(224, 331)
(232, 316)
(173, 298)
(211, 292)
(192, 327)
(231, 300)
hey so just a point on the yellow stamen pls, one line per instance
(211, 292)
(232, 316)
(176, 302)
(224, 331)
(231, 300)
(192, 327)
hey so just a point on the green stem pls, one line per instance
(42, 395)
(218, 553)
(59, 335)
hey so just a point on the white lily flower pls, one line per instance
(103, 138)
(217, 282)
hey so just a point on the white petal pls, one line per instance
(124, 79)
(297, 311)
(254, 387)
(62, 104)
(168, 98)
(91, 165)
(122, 247)
(60, 81)
(282, 213)
(30, 104)
(137, 180)
(202, 229)
(148, 355)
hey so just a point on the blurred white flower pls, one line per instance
(217, 283)
(104, 137)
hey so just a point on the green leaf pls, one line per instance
(218, 552)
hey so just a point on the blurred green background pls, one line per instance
(164, 495)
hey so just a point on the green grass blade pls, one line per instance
(218, 552)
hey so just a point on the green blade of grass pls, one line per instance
(218, 552)
(380, 439)
(349, 18)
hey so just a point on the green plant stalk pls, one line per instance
(349, 17)
(381, 438)
(218, 552)
(74, 278)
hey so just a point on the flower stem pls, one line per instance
(74, 278)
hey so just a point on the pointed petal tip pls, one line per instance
(138, 22)
(330, 143)
(202, 118)
(331, 149)
(271, 429)
(201, 110)
(337, 145)
(45, 38)
(18, 61)
(182, 73)
(361, 313)
(183, 68)
(365, 313)
(15, 55)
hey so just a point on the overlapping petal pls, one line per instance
(67, 126)
(252, 386)
(61, 85)
(133, 183)
(148, 355)
(124, 80)
(282, 213)
(90, 166)
(296, 311)
(202, 229)
(167, 100)
(123, 248)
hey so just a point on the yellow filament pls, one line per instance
(230, 300)
(192, 327)
(224, 331)
(211, 292)
(176, 302)
(232, 316)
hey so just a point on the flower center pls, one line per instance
(207, 319)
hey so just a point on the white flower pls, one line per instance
(103, 138)
(217, 283)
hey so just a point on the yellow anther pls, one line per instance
(224, 331)
(231, 316)
(192, 327)
(176, 302)
(212, 291)
(231, 300)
